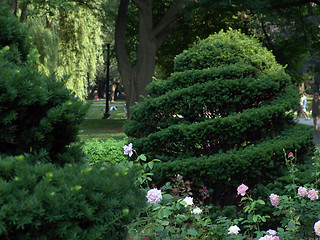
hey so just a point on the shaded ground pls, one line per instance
(316, 133)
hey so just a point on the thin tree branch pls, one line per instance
(294, 4)
(168, 21)
(267, 36)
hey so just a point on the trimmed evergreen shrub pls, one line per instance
(14, 34)
(37, 112)
(44, 201)
(227, 103)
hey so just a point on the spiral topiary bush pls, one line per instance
(222, 117)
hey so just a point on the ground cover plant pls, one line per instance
(224, 114)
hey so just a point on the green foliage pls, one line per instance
(220, 172)
(13, 34)
(207, 137)
(46, 41)
(225, 48)
(213, 118)
(69, 40)
(74, 202)
(104, 152)
(172, 219)
(37, 112)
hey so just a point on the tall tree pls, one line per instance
(138, 75)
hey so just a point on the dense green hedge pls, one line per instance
(226, 72)
(43, 201)
(225, 48)
(255, 164)
(209, 137)
(210, 99)
(213, 119)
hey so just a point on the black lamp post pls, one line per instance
(107, 114)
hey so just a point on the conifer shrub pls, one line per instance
(227, 102)
(37, 112)
(44, 201)
(14, 34)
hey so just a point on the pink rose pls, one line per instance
(290, 154)
(272, 232)
(127, 149)
(242, 189)
(266, 237)
(274, 199)
(269, 237)
(313, 194)
(302, 191)
(154, 196)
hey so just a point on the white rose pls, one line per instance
(317, 228)
(196, 210)
(188, 200)
(234, 230)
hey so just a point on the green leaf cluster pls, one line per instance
(103, 152)
(14, 34)
(68, 36)
(43, 201)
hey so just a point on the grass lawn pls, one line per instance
(94, 126)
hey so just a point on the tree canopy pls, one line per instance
(69, 37)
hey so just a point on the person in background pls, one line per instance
(304, 107)
(125, 109)
(315, 107)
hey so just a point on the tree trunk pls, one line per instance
(136, 78)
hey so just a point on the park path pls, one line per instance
(309, 122)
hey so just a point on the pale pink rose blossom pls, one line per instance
(272, 232)
(290, 154)
(154, 196)
(266, 237)
(242, 189)
(127, 149)
(302, 191)
(274, 199)
(313, 194)
(276, 238)
(317, 228)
